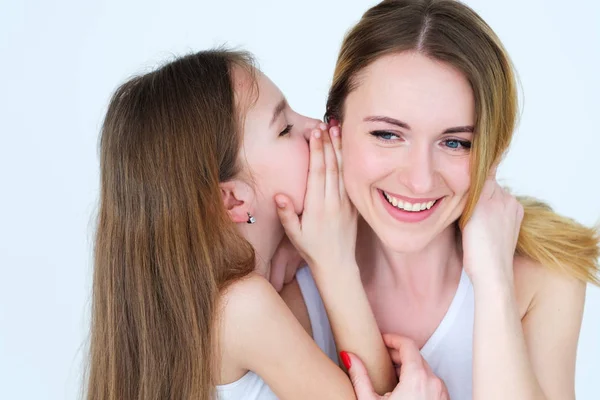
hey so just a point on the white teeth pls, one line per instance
(408, 206)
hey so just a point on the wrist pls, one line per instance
(329, 273)
(499, 289)
(494, 275)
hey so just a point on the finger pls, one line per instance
(336, 139)
(315, 186)
(359, 377)
(284, 256)
(277, 275)
(331, 165)
(287, 216)
(407, 354)
(292, 266)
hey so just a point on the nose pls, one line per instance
(418, 174)
(308, 125)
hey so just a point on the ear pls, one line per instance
(233, 200)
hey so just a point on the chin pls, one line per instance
(406, 243)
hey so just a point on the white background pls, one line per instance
(61, 60)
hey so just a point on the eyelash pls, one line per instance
(465, 144)
(379, 135)
(287, 130)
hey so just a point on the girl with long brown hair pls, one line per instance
(192, 157)
(490, 287)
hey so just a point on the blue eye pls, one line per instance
(455, 144)
(385, 135)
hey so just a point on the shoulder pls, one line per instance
(242, 306)
(247, 300)
(537, 284)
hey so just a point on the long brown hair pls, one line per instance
(451, 32)
(164, 245)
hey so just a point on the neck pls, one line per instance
(264, 240)
(426, 273)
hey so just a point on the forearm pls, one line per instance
(353, 323)
(501, 366)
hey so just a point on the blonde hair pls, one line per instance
(451, 32)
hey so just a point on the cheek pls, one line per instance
(363, 166)
(281, 167)
(457, 174)
(291, 170)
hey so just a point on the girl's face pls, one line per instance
(274, 149)
(407, 133)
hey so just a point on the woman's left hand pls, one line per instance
(490, 236)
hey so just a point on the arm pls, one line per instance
(501, 366)
(551, 329)
(326, 239)
(533, 358)
(260, 334)
(529, 359)
(352, 321)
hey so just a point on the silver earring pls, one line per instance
(251, 219)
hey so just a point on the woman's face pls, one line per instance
(407, 133)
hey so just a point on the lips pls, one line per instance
(404, 210)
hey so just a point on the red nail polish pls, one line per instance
(346, 359)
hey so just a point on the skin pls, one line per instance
(527, 318)
(282, 351)
(275, 156)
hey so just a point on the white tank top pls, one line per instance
(449, 351)
(251, 386)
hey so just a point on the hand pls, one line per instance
(417, 381)
(325, 235)
(284, 264)
(490, 236)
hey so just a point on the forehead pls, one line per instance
(410, 85)
(255, 93)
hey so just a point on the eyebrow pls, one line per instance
(278, 110)
(394, 121)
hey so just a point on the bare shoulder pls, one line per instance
(240, 309)
(536, 284)
(247, 300)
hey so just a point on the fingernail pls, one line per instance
(335, 131)
(323, 126)
(317, 134)
(346, 359)
(280, 203)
